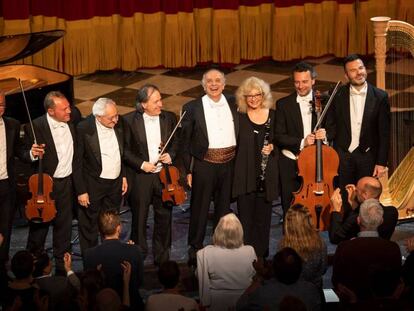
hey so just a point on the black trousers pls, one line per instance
(147, 190)
(352, 167)
(105, 194)
(255, 215)
(62, 224)
(209, 180)
(7, 200)
(289, 181)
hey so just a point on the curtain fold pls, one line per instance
(131, 34)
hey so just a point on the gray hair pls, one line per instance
(371, 214)
(228, 232)
(99, 107)
(144, 94)
(253, 83)
(203, 80)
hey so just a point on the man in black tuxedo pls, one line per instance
(345, 228)
(209, 132)
(295, 120)
(100, 179)
(113, 254)
(150, 127)
(10, 146)
(55, 136)
(358, 123)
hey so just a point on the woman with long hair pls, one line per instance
(303, 237)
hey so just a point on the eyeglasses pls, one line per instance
(113, 118)
(254, 96)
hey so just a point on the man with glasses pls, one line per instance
(99, 176)
(295, 119)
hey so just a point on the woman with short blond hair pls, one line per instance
(225, 269)
(256, 173)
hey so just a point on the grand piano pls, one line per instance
(37, 81)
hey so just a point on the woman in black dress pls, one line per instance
(256, 180)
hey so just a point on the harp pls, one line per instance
(394, 55)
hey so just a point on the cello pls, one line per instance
(318, 165)
(41, 207)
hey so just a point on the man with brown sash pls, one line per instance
(209, 132)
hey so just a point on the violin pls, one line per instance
(40, 208)
(172, 192)
(318, 165)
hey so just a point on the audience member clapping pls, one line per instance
(287, 268)
(225, 269)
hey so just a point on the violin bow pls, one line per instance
(28, 112)
(325, 110)
(172, 134)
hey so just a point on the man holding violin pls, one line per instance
(55, 137)
(100, 175)
(295, 119)
(149, 128)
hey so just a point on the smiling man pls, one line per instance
(99, 175)
(295, 119)
(358, 123)
(150, 126)
(209, 132)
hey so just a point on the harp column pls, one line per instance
(380, 25)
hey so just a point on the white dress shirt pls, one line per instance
(153, 134)
(62, 138)
(305, 104)
(110, 155)
(220, 123)
(356, 110)
(3, 151)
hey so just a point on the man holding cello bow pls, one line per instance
(150, 126)
(295, 119)
(55, 137)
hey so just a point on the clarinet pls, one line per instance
(261, 185)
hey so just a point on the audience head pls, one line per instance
(92, 282)
(368, 188)
(355, 71)
(304, 76)
(109, 223)
(105, 112)
(253, 93)
(149, 100)
(370, 215)
(42, 263)
(108, 299)
(300, 234)
(228, 232)
(57, 106)
(22, 264)
(169, 274)
(287, 266)
(213, 83)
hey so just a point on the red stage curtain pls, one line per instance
(131, 34)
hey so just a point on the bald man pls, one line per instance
(342, 229)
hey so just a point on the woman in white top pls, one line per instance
(225, 269)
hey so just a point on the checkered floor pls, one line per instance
(178, 86)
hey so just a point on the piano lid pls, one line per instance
(15, 47)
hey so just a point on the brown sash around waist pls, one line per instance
(220, 155)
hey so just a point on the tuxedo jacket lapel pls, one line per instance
(346, 110)
(297, 115)
(120, 137)
(139, 128)
(199, 115)
(368, 109)
(93, 139)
